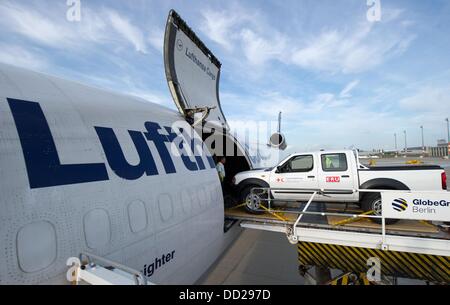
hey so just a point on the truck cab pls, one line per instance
(333, 171)
(297, 176)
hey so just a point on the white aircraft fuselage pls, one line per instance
(84, 169)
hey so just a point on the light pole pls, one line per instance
(423, 141)
(406, 144)
(395, 139)
(448, 139)
(448, 132)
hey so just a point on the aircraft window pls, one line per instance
(165, 205)
(36, 246)
(97, 228)
(299, 164)
(202, 196)
(186, 202)
(334, 163)
(137, 215)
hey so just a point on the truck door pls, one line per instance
(295, 179)
(336, 176)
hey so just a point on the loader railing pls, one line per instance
(291, 230)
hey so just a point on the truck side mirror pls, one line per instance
(279, 169)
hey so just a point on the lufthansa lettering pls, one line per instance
(201, 65)
(44, 167)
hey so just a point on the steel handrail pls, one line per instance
(292, 231)
(137, 275)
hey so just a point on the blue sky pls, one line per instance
(339, 79)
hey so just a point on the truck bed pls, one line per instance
(414, 177)
(403, 168)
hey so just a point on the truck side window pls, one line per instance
(299, 164)
(334, 163)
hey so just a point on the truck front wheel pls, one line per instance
(372, 202)
(253, 201)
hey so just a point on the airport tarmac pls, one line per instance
(263, 258)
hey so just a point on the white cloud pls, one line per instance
(331, 121)
(156, 39)
(272, 104)
(96, 28)
(220, 26)
(154, 97)
(285, 57)
(324, 101)
(348, 51)
(266, 105)
(351, 49)
(428, 99)
(258, 49)
(128, 31)
(18, 56)
(32, 24)
(237, 30)
(346, 92)
(407, 23)
(389, 15)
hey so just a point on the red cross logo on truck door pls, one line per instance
(334, 179)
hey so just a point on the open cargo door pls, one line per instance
(193, 75)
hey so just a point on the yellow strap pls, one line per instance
(273, 213)
(264, 208)
(351, 219)
(238, 206)
(427, 224)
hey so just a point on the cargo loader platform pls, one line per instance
(328, 235)
(289, 215)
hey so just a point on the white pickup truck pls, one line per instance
(339, 174)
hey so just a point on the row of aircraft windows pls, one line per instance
(37, 242)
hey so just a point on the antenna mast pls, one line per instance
(279, 122)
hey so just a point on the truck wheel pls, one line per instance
(252, 201)
(372, 202)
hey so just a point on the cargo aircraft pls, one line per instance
(87, 170)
